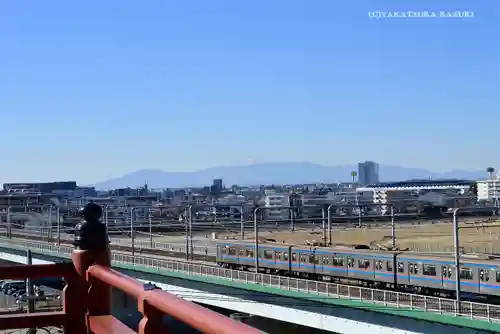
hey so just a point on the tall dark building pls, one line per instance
(217, 183)
(368, 173)
(216, 187)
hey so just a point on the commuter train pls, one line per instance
(403, 271)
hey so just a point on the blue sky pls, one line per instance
(95, 89)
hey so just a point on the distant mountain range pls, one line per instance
(273, 173)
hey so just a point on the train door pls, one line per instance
(241, 255)
(313, 261)
(303, 260)
(288, 258)
(484, 281)
(294, 261)
(323, 260)
(447, 276)
(351, 270)
(403, 277)
(412, 270)
(260, 255)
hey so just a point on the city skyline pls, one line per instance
(90, 92)
(276, 173)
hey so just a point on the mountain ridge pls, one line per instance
(273, 173)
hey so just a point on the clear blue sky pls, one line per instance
(95, 89)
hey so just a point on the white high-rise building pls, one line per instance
(368, 173)
(274, 204)
(489, 190)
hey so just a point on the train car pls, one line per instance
(361, 265)
(426, 272)
(488, 275)
(235, 254)
(272, 258)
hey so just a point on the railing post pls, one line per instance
(151, 323)
(92, 247)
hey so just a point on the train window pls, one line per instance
(339, 261)
(363, 263)
(498, 275)
(429, 270)
(277, 255)
(350, 262)
(401, 267)
(378, 265)
(313, 259)
(285, 256)
(242, 252)
(268, 254)
(465, 273)
(249, 252)
(294, 257)
(326, 259)
(224, 250)
(388, 265)
(231, 251)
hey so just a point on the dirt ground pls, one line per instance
(476, 236)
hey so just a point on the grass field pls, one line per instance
(477, 236)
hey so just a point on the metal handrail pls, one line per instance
(323, 290)
(179, 247)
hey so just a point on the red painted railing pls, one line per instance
(87, 301)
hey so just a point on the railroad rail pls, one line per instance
(323, 290)
(140, 246)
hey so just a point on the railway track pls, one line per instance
(128, 249)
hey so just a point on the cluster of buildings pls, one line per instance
(366, 195)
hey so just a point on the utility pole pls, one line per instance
(29, 292)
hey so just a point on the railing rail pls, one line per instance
(151, 301)
(323, 290)
(179, 247)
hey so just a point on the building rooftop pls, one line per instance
(421, 183)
